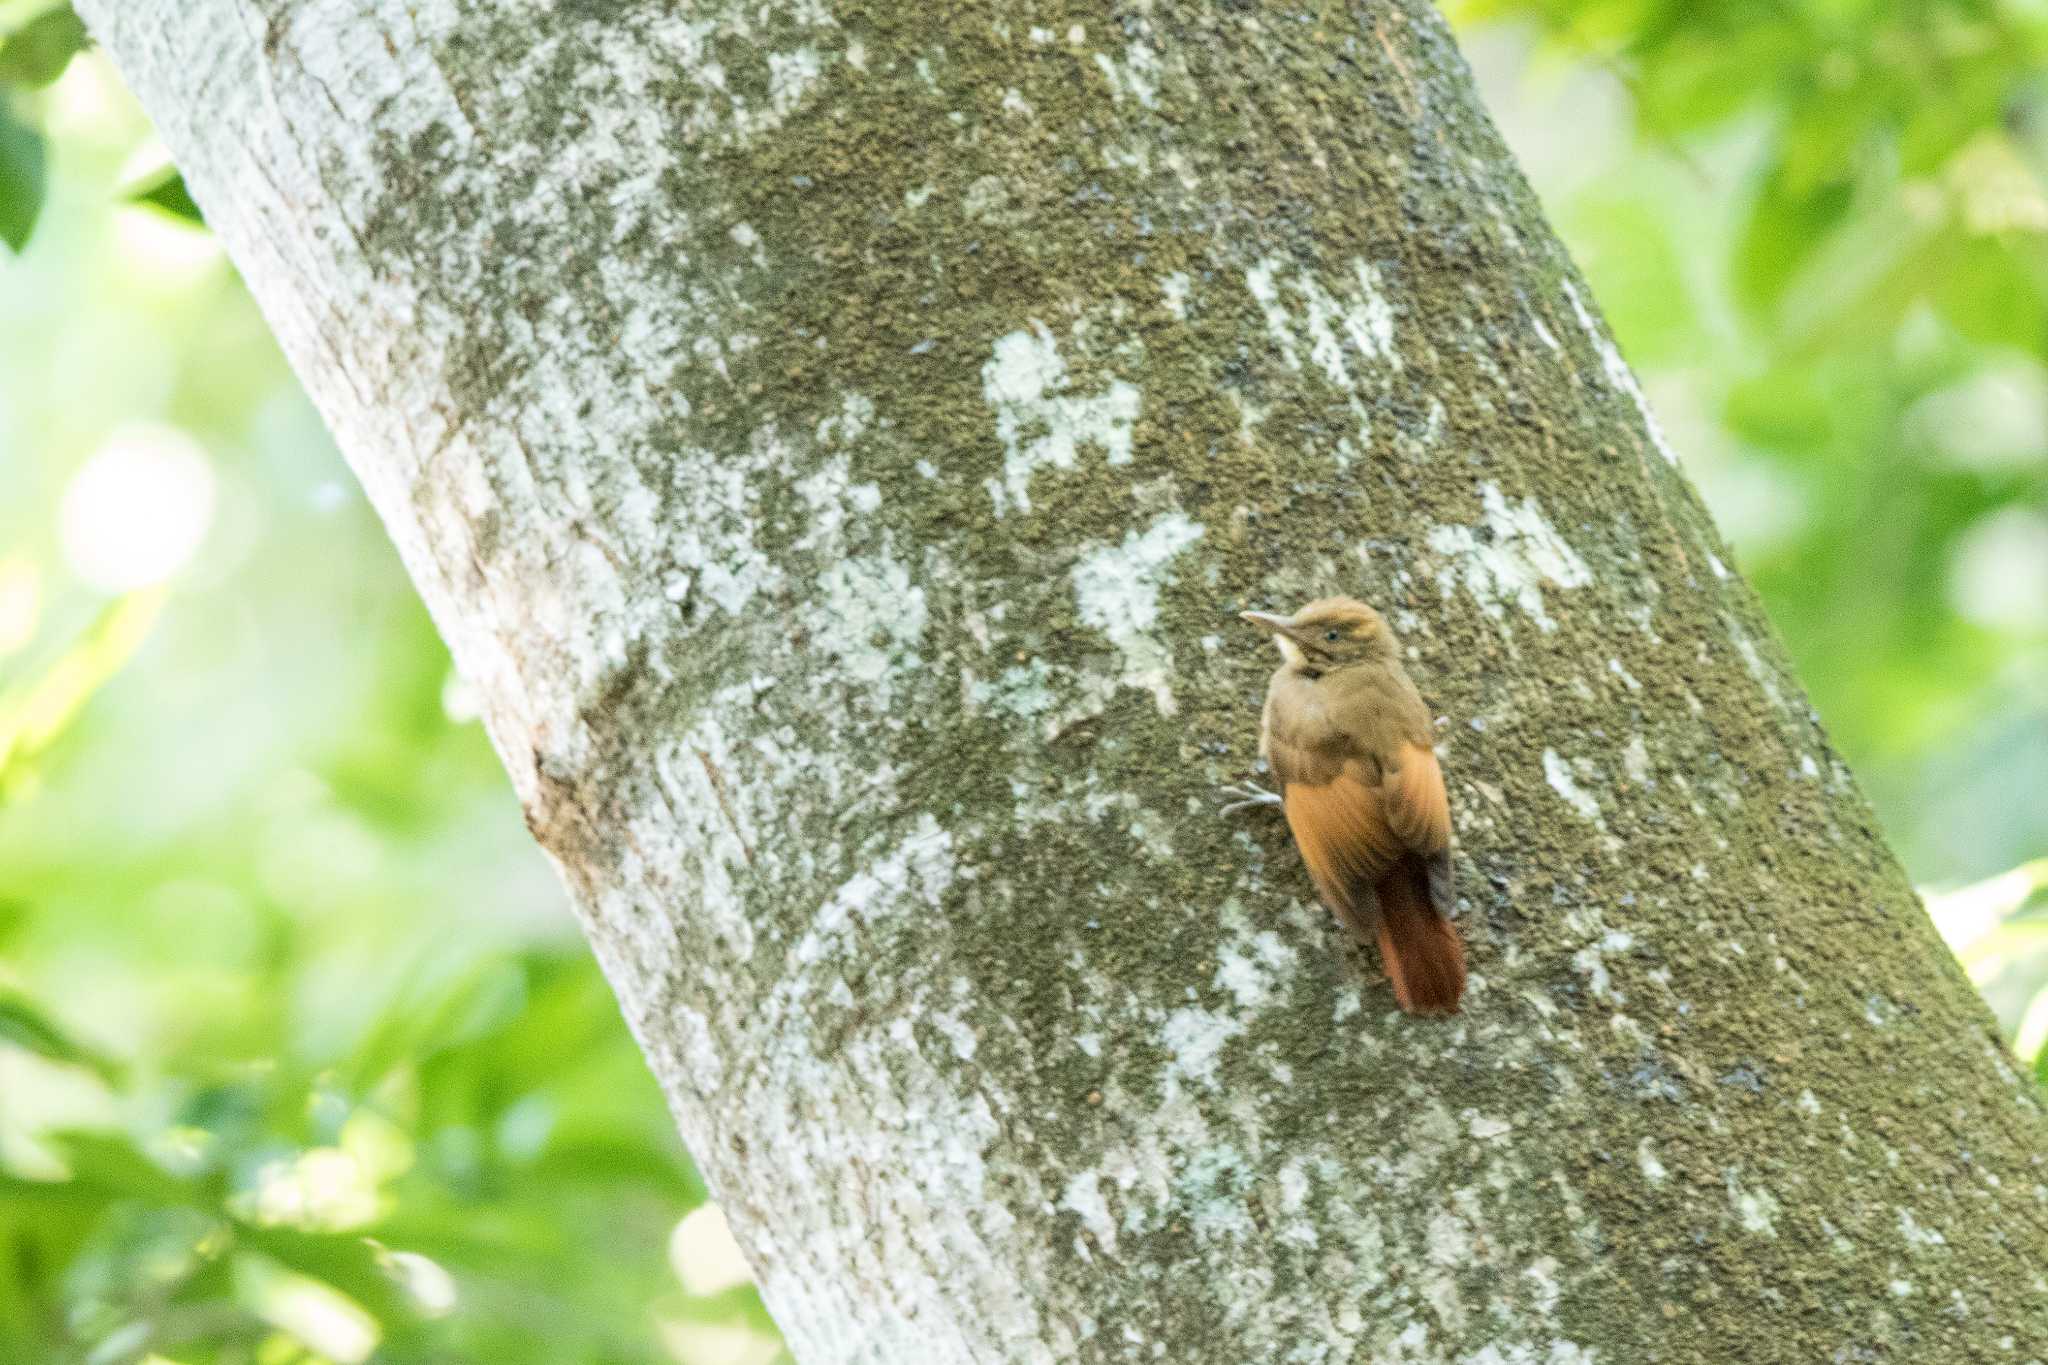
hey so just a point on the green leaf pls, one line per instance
(1783, 408)
(644, 1170)
(343, 1261)
(35, 714)
(1784, 231)
(27, 1027)
(1973, 97)
(23, 178)
(111, 1166)
(1993, 293)
(40, 1244)
(1702, 77)
(37, 53)
(13, 919)
(166, 191)
(417, 1026)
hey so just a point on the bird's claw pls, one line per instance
(1247, 795)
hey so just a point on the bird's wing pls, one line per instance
(1345, 846)
(1419, 814)
(1354, 821)
(1412, 790)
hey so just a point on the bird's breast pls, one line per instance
(1363, 712)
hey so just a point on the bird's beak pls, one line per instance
(1268, 622)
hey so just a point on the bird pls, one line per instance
(1346, 735)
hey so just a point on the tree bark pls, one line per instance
(834, 438)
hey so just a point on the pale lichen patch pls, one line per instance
(1083, 1196)
(1358, 320)
(1592, 962)
(1753, 661)
(1136, 77)
(1194, 1039)
(1519, 554)
(870, 617)
(835, 500)
(1174, 289)
(1917, 1236)
(1041, 421)
(1756, 1209)
(952, 1021)
(1635, 761)
(719, 113)
(1558, 774)
(1116, 589)
(914, 872)
(1254, 969)
(713, 524)
(700, 1052)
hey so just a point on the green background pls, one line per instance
(301, 1058)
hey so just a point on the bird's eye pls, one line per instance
(1331, 636)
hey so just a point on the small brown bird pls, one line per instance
(1348, 739)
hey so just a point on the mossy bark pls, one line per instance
(835, 436)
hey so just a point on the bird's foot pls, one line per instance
(1247, 796)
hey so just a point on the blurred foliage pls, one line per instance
(34, 51)
(300, 1057)
(166, 191)
(35, 712)
(427, 1189)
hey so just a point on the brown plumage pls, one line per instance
(1348, 739)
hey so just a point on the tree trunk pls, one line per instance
(834, 439)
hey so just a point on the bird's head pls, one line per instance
(1327, 634)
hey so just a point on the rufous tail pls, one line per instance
(1423, 955)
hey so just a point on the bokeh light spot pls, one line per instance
(138, 509)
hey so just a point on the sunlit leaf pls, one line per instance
(37, 53)
(1995, 293)
(1785, 228)
(112, 1166)
(166, 191)
(620, 1162)
(34, 714)
(1704, 75)
(25, 1026)
(483, 1000)
(349, 1263)
(312, 1309)
(1974, 96)
(23, 177)
(1990, 923)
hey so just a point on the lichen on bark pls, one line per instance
(835, 438)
